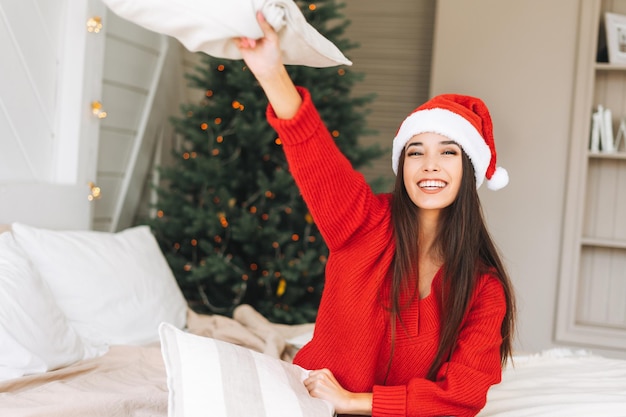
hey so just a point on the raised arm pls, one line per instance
(263, 58)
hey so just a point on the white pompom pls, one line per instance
(499, 179)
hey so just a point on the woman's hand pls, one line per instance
(322, 384)
(263, 57)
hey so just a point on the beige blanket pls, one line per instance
(131, 380)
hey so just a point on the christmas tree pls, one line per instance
(230, 218)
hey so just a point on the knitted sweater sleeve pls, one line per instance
(339, 198)
(462, 383)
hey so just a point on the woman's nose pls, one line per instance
(431, 163)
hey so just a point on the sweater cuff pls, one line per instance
(389, 401)
(301, 126)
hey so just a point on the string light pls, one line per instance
(96, 109)
(94, 24)
(95, 193)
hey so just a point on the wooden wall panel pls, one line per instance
(395, 51)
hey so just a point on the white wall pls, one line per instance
(519, 56)
(49, 68)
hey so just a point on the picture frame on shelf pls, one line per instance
(615, 26)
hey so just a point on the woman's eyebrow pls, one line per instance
(443, 142)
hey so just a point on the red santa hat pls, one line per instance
(463, 119)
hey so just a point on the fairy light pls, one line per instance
(97, 110)
(95, 193)
(94, 24)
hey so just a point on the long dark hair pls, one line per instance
(467, 250)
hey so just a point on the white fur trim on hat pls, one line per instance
(499, 179)
(451, 125)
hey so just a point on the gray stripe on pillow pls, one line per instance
(239, 384)
(310, 407)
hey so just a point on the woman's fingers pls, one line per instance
(267, 29)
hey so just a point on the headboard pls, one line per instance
(52, 206)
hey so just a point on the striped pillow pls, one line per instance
(206, 376)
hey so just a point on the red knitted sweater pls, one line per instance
(352, 336)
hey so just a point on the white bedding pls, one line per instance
(560, 382)
(557, 382)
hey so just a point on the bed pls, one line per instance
(93, 324)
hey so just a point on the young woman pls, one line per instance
(416, 317)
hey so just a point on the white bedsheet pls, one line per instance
(560, 382)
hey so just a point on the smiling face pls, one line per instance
(432, 171)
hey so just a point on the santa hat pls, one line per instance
(466, 121)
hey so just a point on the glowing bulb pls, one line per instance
(94, 24)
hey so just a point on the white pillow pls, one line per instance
(34, 334)
(114, 288)
(211, 25)
(206, 375)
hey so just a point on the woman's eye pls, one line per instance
(449, 152)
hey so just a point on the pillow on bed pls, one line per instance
(114, 288)
(210, 25)
(34, 334)
(205, 374)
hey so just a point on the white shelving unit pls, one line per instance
(592, 290)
